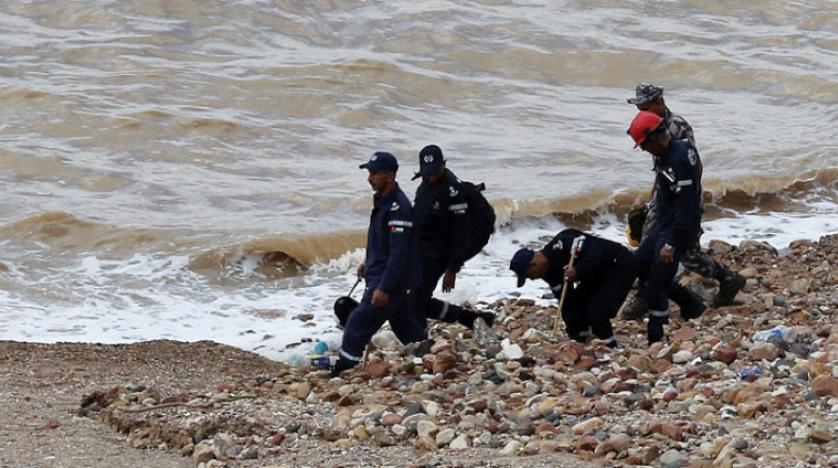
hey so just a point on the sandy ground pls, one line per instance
(41, 386)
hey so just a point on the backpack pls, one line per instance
(482, 216)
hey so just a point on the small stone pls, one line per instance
(766, 351)
(277, 439)
(669, 430)
(432, 408)
(426, 428)
(660, 366)
(203, 452)
(592, 390)
(825, 385)
(725, 354)
(641, 362)
(684, 334)
(413, 408)
(444, 361)
(546, 405)
(720, 247)
(444, 437)
(617, 444)
(586, 444)
(510, 353)
(673, 459)
(800, 286)
(708, 450)
(670, 394)
(52, 424)
(399, 430)
(749, 272)
(226, 388)
(821, 436)
(391, 419)
(682, 357)
(250, 453)
(360, 433)
(511, 448)
(587, 426)
(378, 368)
(301, 390)
(461, 442)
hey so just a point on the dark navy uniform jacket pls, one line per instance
(392, 263)
(442, 221)
(678, 194)
(592, 262)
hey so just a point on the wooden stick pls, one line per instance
(574, 250)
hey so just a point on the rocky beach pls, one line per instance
(754, 384)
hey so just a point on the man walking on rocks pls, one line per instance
(649, 97)
(391, 269)
(447, 237)
(604, 270)
(677, 200)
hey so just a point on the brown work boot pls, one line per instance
(729, 285)
(636, 307)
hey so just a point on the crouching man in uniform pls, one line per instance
(604, 270)
(391, 270)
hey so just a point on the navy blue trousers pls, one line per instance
(425, 303)
(593, 306)
(366, 320)
(657, 276)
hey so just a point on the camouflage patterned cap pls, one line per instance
(645, 93)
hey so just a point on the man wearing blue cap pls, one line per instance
(603, 273)
(391, 268)
(443, 224)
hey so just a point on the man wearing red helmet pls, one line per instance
(649, 97)
(677, 196)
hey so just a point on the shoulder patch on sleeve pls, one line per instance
(453, 192)
(692, 156)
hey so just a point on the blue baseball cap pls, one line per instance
(520, 263)
(430, 159)
(381, 161)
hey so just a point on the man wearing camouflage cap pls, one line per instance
(649, 97)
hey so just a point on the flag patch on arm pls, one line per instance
(397, 226)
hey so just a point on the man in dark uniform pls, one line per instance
(649, 97)
(391, 268)
(443, 227)
(678, 202)
(605, 271)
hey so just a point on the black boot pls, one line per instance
(420, 348)
(730, 283)
(654, 329)
(487, 317)
(690, 303)
(468, 316)
(341, 365)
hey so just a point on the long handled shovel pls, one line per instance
(575, 247)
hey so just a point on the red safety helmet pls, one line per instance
(644, 123)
